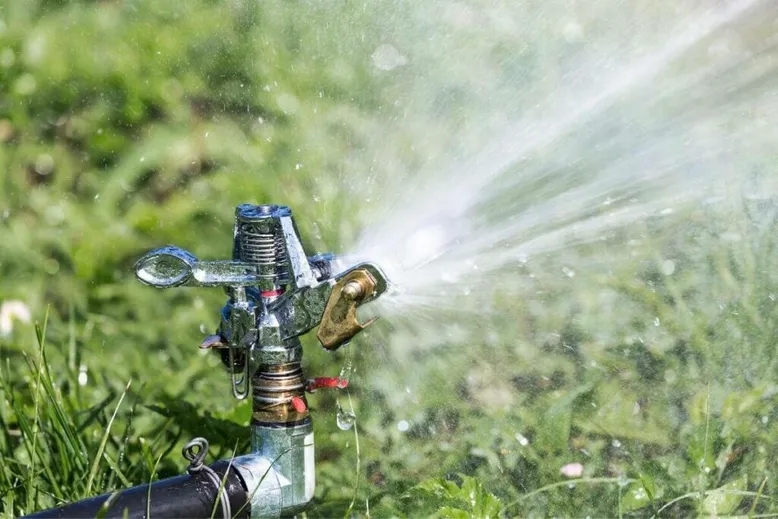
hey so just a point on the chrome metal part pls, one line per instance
(292, 452)
(241, 334)
(321, 264)
(280, 474)
(260, 241)
(165, 267)
(276, 292)
(170, 266)
(301, 272)
(264, 484)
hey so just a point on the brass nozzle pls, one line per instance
(339, 322)
(353, 290)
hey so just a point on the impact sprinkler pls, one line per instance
(275, 294)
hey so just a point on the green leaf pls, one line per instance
(448, 512)
(483, 504)
(446, 499)
(726, 498)
(636, 497)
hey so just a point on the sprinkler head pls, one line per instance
(276, 292)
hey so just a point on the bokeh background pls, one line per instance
(636, 376)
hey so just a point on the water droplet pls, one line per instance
(523, 441)
(83, 376)
(616, 443)
(345, 419)
(387, 57)
(44, 164)
(568, 272)
(346, 369)
(298, 166)
(402, 426)
(203, 328)
(656, 321)
(51, 266)
(572, 31)
(668, 267)
(765, 419)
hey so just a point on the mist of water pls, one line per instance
(669, 112)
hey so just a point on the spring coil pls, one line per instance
(262, 248)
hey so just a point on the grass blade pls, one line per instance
(103, 442)
(41, 335)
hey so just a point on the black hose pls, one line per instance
(187, 496)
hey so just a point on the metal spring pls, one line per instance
(262, 248)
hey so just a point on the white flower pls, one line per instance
(572, 470)
(10, 311)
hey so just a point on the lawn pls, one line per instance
(127, 125)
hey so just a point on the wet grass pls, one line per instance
(655, 370)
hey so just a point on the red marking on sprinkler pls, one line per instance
(273, 293)
(326, 382)
(299, 404)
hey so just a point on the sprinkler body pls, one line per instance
(275, 294)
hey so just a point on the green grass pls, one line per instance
(128, 125)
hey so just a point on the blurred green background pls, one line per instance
(126, 125)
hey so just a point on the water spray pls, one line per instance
(275, 294)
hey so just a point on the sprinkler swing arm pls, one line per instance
(275, 294)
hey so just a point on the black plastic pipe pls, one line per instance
(187, 496)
